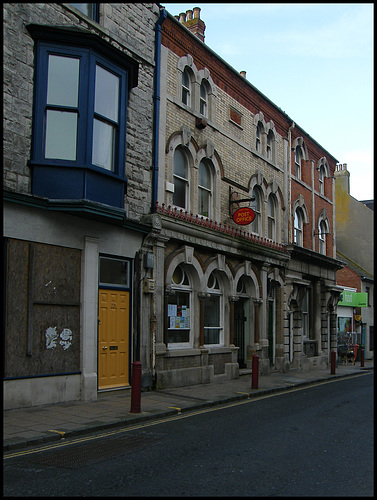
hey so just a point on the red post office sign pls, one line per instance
(244, 216)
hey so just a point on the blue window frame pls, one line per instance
(79, 119)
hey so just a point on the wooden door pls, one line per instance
(113, 339)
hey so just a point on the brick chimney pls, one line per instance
(193, 22)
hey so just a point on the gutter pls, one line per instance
(156, 110)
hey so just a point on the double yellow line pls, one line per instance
(178, 416)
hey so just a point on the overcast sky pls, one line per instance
(314, 61)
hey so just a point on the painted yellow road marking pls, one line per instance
(62, 433)
(176, 408)
(180, 416)
(248, 394)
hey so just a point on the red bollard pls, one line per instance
(362, 358)
(333, 362)
(136, 388)
(254, 374)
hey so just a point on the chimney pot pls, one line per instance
(189, 15)
(243, 73)
(197, 12)
(182, 17)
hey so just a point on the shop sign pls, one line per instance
(353, 299)
(244, 216)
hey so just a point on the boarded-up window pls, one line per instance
(235, 117)
(42, 323)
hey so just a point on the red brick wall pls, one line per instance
(176, 39)
(348, 277)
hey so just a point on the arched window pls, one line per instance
(258, 143)
(256, 206)
(298, 158)
(186, 88)
(179, 309)
(298, 227)
(181, 183)
(203, 100)
(205, 190)
(271, 222)
(270, 145)
(322, 230)
(322, 180)
(212, 317)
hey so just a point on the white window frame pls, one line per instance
(206, 189)
(258, 137)
(322, 237)
(185, 179)
(322, 180)
(186, 90)
(298, 160)
(182, 288)
(203, 100)
(256, 206)
(298, 238)
(271, 219)
(215, 291)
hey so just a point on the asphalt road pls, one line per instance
(315, 441)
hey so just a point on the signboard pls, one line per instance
(353, 299)
(244, 216)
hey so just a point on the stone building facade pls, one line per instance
(78, 141)
(225, 291)
(157, 208)
(355, 247)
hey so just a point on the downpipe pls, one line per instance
(156, 110)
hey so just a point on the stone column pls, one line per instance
(89, 319)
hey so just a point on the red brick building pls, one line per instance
(224, 291)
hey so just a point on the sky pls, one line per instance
(314, 61)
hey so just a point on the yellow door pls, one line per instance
(113, 339)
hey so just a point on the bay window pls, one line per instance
(79, 117)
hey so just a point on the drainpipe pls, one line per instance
(156, 111)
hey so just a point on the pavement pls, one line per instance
(33, 426)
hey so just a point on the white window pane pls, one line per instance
(63, 69)
(61, 135)
(106, 94)
(103, 145)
